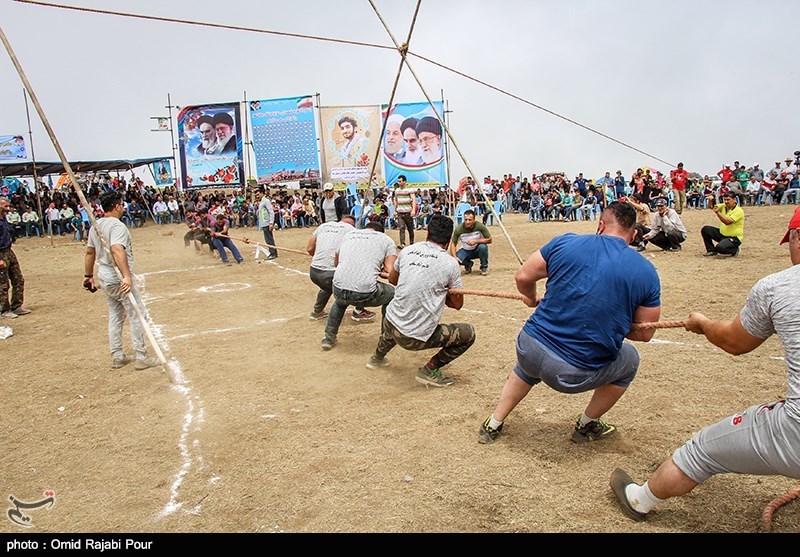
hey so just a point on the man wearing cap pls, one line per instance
(424, 274)
(223, 125)
(331, 206)
(361, 258)
(757, 172)
(678, 177)
(730, 234)
(763, 440)
(429, 132)
(726, 174)
(266, 220)
(668, 232)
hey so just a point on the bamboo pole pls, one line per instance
(84, 202)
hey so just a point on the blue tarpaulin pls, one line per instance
(25, 168)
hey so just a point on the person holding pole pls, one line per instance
(116, 286)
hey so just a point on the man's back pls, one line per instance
(361, 257)
(585, 329)
(329, 237)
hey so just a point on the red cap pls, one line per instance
(794, 224)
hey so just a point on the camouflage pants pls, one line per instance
(12, 274)
(454, 339)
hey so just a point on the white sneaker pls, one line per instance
(149, 362)
(9, 314)
(22, 311)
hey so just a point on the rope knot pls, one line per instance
(403, 49)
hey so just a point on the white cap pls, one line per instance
(327, 187)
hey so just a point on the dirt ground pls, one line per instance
(268, 433)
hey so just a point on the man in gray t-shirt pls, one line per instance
(362, 257)
(117, 286)
(763, 439)
(323, 245)
(424, 273)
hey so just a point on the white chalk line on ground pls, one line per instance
(261, 251)
(229, 329)
(192, 419)
(213, 289)
(163, 271)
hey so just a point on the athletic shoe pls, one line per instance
(363, 315)
(619, 481)
(270, 257)
(375, 363)
(328, 343)
(468, 267)
(117, 363)
(593, 431)
(314, 316)
(433, 377)
(710, 254)
(484, 272)
(21, 311)
(9, 314)
(488, 434)
(147, 363)
(641, 247)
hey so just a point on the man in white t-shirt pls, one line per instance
(323, 245)
(116, 287)
(362, 257)
(423, 274)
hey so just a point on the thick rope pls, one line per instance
(486, 293)
(249, 241)
(775, 505)
(658, 325)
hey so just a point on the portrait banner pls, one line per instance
(12, 147)
(350, 144)
(162, 170)
(210, 146)
(413, 145)
(285, 139)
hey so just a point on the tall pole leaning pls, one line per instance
(172, 377)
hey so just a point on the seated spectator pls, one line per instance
(30, 219)
(752, 191)
(53, 220)
(65, 217)
(588, 206)
(174, 209)
(14, 222)
(792, 189)
(136, 213)
(160, 210)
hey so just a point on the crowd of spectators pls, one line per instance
(544, 197)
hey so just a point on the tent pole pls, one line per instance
(35, 176)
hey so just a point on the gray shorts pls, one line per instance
(536, 363)
(763, 440)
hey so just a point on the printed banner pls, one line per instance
(413, 145)
(210, 145)
(285, 139)
(350, 144)
(12, 147)
(162, 170)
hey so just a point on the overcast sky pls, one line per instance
(701, 82)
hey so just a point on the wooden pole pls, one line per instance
(84, 202)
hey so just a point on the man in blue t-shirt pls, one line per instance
(574, 340)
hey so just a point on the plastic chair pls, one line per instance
(460, 208)
(356, 212)
(390, 220)
(499, 209)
